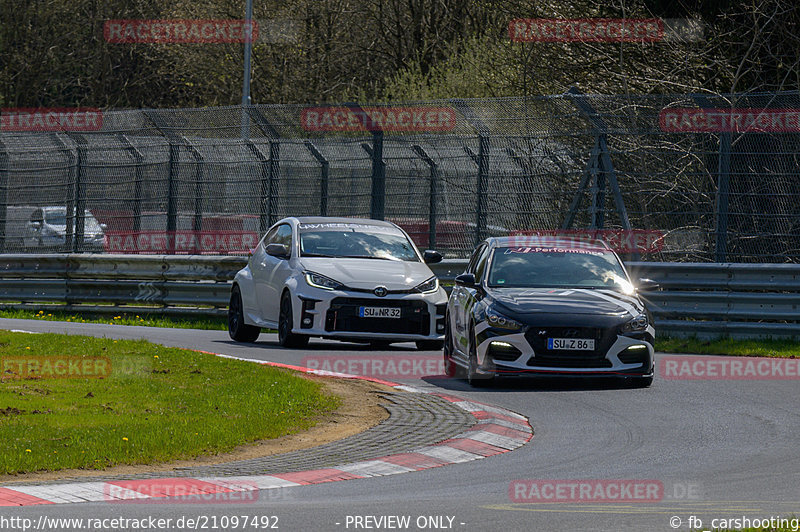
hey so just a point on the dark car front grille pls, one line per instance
(342, 316)
(537, 338)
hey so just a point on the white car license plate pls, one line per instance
(572, 344)
(378, 312)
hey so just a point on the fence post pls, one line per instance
(268, 203)
(174, 160)
(481, 159)
(3, 194)
(377, 210)
(723, 194)
(80, 192)
(138, 159)
(72, 160)
(274, 172)
(377, 202)
(197, 223)
(723, 187)
(432, 194)
(324, 171)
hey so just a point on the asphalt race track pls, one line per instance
(720, 448)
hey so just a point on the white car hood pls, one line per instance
(370, 273)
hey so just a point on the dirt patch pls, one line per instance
(360, 410)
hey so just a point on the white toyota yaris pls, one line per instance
(342, 278)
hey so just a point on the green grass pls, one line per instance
(157, 404)
(146, 320)
(760, 348)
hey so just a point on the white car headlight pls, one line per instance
(320, 281)
(431, 285)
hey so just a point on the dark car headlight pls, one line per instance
(431, 285)
(637, 324)
(320, 281)
(498, 320)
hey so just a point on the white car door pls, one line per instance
(260, 266)
(274, 273)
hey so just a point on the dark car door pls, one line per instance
(464, 297)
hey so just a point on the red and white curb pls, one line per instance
(496, 431)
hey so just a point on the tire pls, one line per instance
(238, 330)
(286, 337)
(475, 379)
(451, 369)
(429, 345)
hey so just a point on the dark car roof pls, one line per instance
(341, 220)
(555, 241)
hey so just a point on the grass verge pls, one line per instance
(152, 404)
(753, 348)
(146, 320)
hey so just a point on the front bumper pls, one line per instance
(504, 353)
(335, 314)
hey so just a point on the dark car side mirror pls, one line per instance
(466, 279)
(278, 250)
(647, 285)
(431, 256)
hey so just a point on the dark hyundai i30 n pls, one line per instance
(551, 306)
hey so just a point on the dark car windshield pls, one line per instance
(534, 267)
(344, 240)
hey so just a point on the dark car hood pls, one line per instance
(567, 301)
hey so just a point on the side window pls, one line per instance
(473, 261)
(270, 238)
(480, 267)
(284, 236)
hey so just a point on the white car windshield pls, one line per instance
(535, 267)
(355, 241)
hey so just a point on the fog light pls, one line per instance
(635, 347)
(306, 321)
(502, 344)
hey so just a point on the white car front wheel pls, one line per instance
(286, 337)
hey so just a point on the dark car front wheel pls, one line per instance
(286, 337)
(451, 369)
(474, 378)
(237, 328)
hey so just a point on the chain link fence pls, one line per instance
(451, 172)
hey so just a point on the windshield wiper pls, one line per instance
(316, 255)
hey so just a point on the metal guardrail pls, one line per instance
(706, 300)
